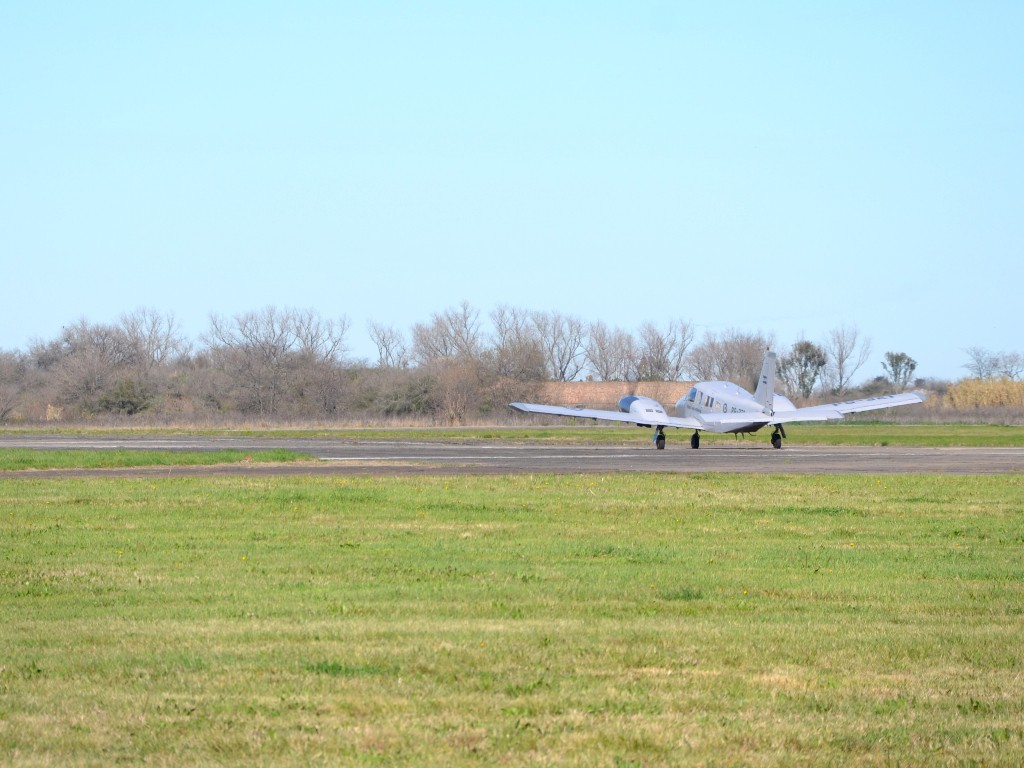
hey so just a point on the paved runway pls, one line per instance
(346, 457)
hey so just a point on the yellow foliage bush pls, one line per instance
(983, 393)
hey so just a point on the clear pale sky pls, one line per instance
(783, 167)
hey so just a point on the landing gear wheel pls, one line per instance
(776, 440)
(659, 441)
(695, 440)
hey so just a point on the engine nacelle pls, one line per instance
(644, 409)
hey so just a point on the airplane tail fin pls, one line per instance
(765, 393)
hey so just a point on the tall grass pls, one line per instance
(985, 393)
(596, 620)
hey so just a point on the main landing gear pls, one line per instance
(659, 439)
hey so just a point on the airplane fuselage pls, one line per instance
(714, 397)
(707, 397)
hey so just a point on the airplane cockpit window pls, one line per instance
(691, 395)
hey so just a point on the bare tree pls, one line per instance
(847, 352)
(463, 323)
(662, 353)
(989, 365)
(610, 352)
(516, 347)
(318, 361)
(83, 336)
(253, 347)
(563, 340)
(454, 333)
(153, 339)
(392, 351)
(13, 380)
(85, 363)
(734, 356)
(321, 339)
(1011, 365)
(274, 354)
(154, 344)
(458, 388)
(983, 363)
(899, 367)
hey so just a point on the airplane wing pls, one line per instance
(838, 410)
(712, 420)
(654, 420)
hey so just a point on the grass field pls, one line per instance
(27, 458)
(593, 620)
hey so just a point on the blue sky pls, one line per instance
(781, 167)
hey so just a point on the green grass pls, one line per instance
(561, 620)
(911, 435)
(29, 458)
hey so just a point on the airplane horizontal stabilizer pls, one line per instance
(722, 419)
(802, 414)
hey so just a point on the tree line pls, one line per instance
(294, 364)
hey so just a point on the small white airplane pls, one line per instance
(721, 406)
